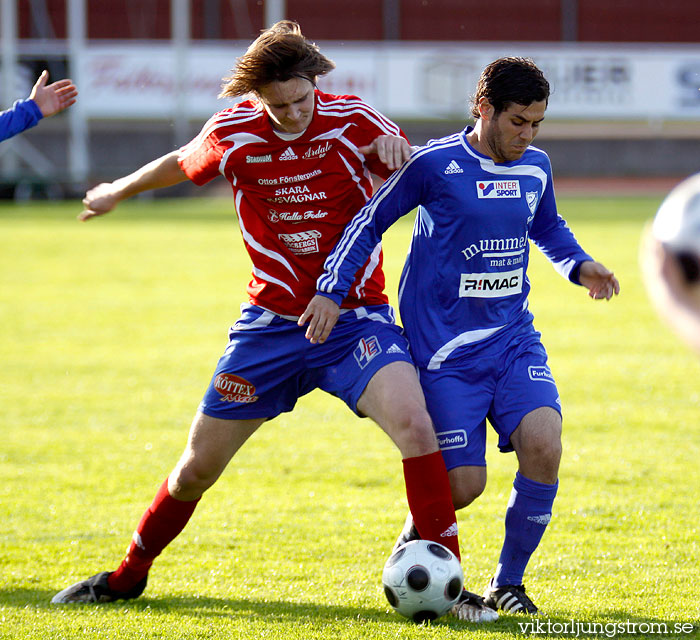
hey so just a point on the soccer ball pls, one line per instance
(422, 580)
(677, 225)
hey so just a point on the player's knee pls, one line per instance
(539, 460)
(537, 440)
(467, 484)
(190, 480)
(546, 455)
(463, 496)
(414, 433)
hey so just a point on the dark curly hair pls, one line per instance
(509, 80)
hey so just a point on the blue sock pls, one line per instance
(528, 514)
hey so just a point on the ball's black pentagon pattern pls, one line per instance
(391, 597)
(454, 588)
(419, 617)
(418, 578)
(439, 551)
(395, 557)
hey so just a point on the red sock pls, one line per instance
(160, 524)
(430, 499)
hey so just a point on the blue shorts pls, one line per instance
(501, 381)
(269, 364)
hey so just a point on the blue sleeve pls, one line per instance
(23, 115)
(399, 195)
(553, 237)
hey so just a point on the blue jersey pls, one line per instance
(465, 277)
(23, 115)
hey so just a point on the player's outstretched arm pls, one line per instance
(55, 97)
(322, 314)
(163, 172)
(600, 282)
(393, 151)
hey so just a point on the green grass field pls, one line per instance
(110, 331)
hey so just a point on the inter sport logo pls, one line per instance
(498, 189)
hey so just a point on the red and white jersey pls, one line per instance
(295, 197)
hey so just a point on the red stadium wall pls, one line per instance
(474, 20)
(639, 21)
(209, 24)
(354, 20)
(537, 21)
(51, 24)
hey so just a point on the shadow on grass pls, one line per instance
(271, 611)
(615, 624)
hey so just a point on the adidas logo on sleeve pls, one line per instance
(453, 167)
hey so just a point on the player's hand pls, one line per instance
(322, 314)
(393, 151)
(100, 200)
(54, 97)
(600, 282)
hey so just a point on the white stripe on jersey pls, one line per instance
(463, 338)
(239, 140)
(371, 266)
(218, 120)
(394, 131)
(404, 278)
(254, 244)
(356, 179)
(344, 107)
(424, 223)
(564, 267)
(362, 313)
(332, 134)
(268, 278)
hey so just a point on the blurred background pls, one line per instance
(625, 76)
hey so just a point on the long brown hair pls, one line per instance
(278, 53)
